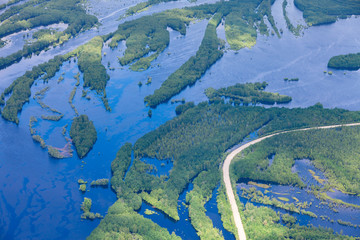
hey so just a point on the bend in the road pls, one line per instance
(230, 157)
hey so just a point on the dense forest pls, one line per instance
(333, 151)
(195, 141)
(346, 62)
(83, 135)
(248, 93)
(318, 12)
(148, 36)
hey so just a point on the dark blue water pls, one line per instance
(159, 167)
(212, 212)
(39, 196)
(51, 190)
(183, 227)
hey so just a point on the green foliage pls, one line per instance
(86, 205)
(53, 152)
(120, 165)
(193, 69)
(247, 93)
(148, 36)
(140, 7)
(263, 223)
(295, 31)
(39, 139)
(257, 196)
(89, 63)
(204, 184)
(318, 12)
(346, 62)
(81, 181)
(333, 151)
(35, 13)
(122, 222)
(52, 117)
(83, 134)
(291, 79)
(104, 182)
(184, 107)
(8, 3)
(20, 88)
(225, 211)
(240, 26)
(82, 187)
(196, 140)
(288, 219)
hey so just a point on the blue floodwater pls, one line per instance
(183, 227)
(160, 167)
(213, 213)
(39, 196)
(304, 195)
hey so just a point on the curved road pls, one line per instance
(230, 157)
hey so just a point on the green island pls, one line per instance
(295, 30)
(240, 29)
(291, 79)
(143, 6)
(36, 13)
(193, 69)
(104, 182)
(147, 37)
(149, 212)
(83, 135)
(317, 12)
(345, 62)
(86, 207)
(52, 117)
(248, 93)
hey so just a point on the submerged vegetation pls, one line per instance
(193, 69)
(83, 134)
(345, 62)
(333, 151)
(104, 182)
(248, 93)
(35, 13)
(242, 19)
(295, 30)
(86, 207)
(20, 88)
(148, 36)
(196, 140)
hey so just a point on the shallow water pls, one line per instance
(37, 189)
(302, 167)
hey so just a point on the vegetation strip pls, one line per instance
(230, 157)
